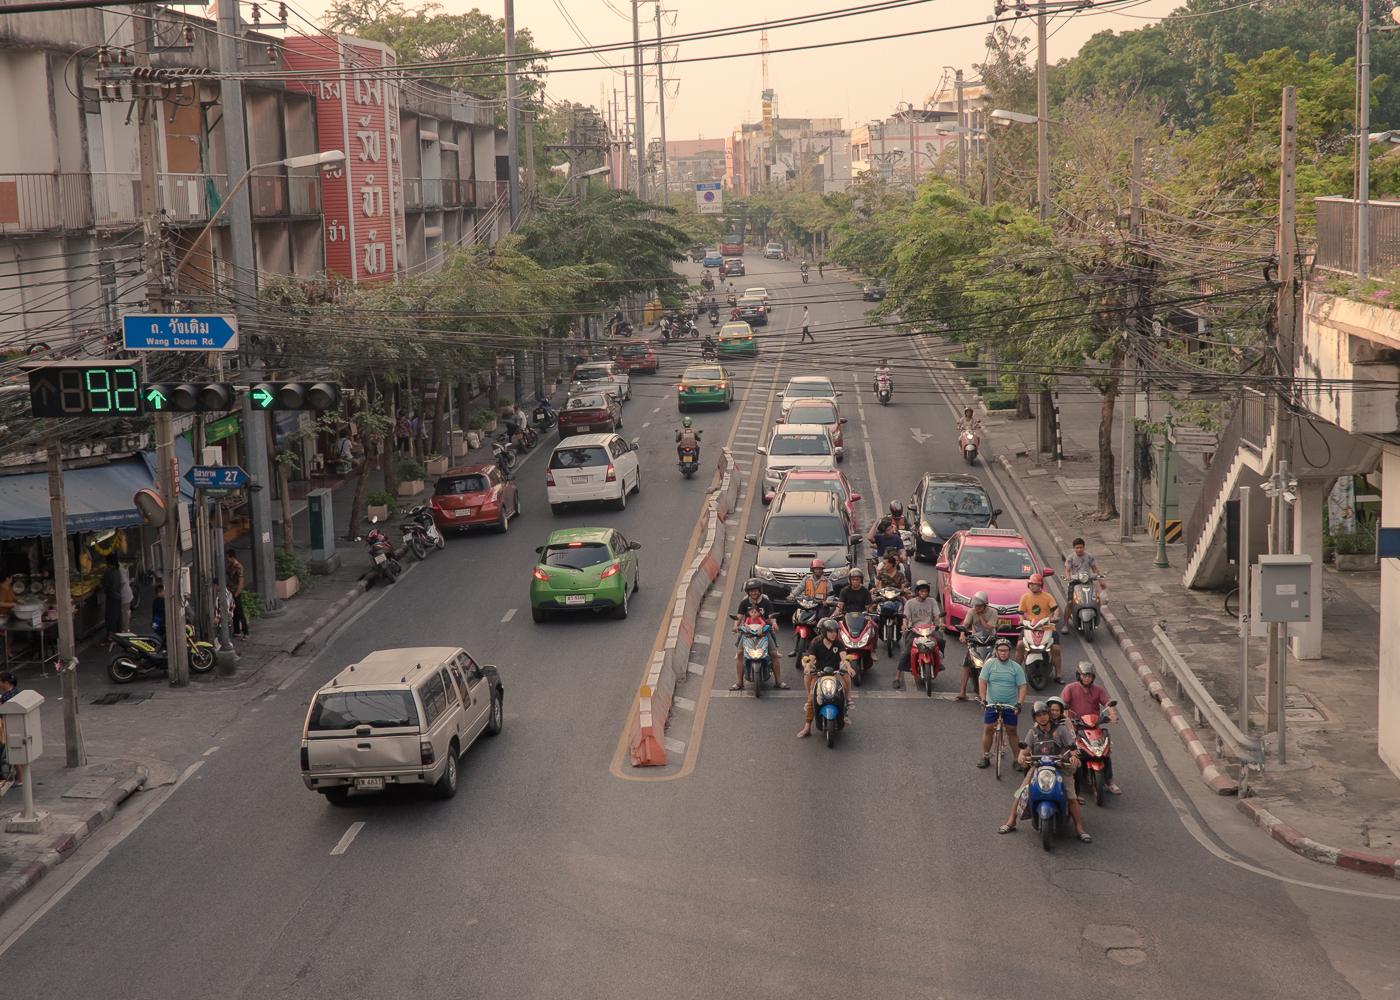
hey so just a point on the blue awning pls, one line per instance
(184, 462)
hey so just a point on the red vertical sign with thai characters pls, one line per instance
(357, 111)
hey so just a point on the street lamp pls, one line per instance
(1004, 117)
(291, 162)
(595, 172)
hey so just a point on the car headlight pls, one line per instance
(926, 530)
(763, 574)
(959, 598)
(1045, 780)
(839, 572)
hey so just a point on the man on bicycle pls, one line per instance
(1003, 682)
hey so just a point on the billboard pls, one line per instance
(768, 114)
(709, 198)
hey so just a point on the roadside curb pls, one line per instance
(57, 850)
(1205, 763)
(1370, 864)
(296, 640)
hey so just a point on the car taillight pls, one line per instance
(305, 756)
(549, 477)
(682, 387)
(612, 474)
(425, 752)
(541, 574)
(610, 571)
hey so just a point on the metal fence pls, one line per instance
(1257, 418)
(1337, 229)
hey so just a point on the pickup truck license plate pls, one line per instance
(575, 599)
(369, 782)
(578, 480)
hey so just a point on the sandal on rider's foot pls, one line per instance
(736, 687)
(1086, 838)
(804, 734)
(1006, 828)
(895, 684)
(985, 761)
(960, 697)
(1079, 799)
(781, 686)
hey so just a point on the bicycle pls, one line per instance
(1232, 603)
(999, 737)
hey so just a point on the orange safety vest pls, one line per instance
(812, 587)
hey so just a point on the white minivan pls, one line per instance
(592, 467)
(796, 446)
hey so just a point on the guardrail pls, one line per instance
(1248, 749)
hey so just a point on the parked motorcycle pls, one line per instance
(1094, 746)
(144, 654)
(419, 532)
(925, 658)
(810, 610)
(689, 462)
(756, 639)
(884, 389)
(1046, 801)
(829, 701)
(381, 553)
(891, 621)
(503, 450)
(967, 443)
(1037, 638)
(858, 638)
(545, 416)
(694, 330)
(1084, 603)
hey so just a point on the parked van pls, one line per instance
(398, 717)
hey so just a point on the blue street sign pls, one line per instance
(156, 332)
(216, 477)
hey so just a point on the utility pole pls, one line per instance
(512, 116)
(1135, 319)
(63, 599)
(1042, 113)
(641, 106)
(661, 111)
(962, 135)
(1283, 451)
(1363, 141)
(530, 158)
(626, 124)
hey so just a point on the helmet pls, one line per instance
(1003, 642)
(817, 564)
(979, 598)
(1039, 707)
(685, 422)
(857, 572)
(922, 585)
(1085, 669)
(753, 583)
(829, 625)
(896, 508)
(1036, 578)
(1055, 699)
(967, 409)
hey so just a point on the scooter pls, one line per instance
(689, 463)
(829, 700)
(714, 317)
(883, 389)
(545, 415)
(978, 653)
(756, 638)
(708, 353)
(1094, 746)
(694, 330)
(144, 654)
(858, 638)
(1037, 638)
(1046, 801)
(1084, 603)
(419, 532)
(891, 621)
(967, 443)
(810, 610)
(381, 553)
(804, 277)
(733, 300)
(925, 658)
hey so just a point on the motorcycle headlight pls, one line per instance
(762, 573)
(1045, 779)
(926, 530)
(826, 688)
(960, 599)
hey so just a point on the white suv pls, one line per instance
(796, 446)
(773, 251)
(592, 467)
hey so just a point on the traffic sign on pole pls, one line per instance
(218, 477)
(160, 332)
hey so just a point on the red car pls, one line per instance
(799, 480)
(590, 413)
(471, 496)
(638, 357)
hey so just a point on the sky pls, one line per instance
(856, 82)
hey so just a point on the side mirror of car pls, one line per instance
(997, 512)
(941, 567)
(750, 539)
(539, 548)
(855, 497)
(843, 420)
(855, 539)
(761, 450)
(634, 545)
(769, 497)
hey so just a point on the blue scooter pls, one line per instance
(829, 699)
(756, 640)
(1046, 802)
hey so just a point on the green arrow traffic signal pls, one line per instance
(262, 398)
(157, 399)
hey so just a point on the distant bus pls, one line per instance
(732, 245)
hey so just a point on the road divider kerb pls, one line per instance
(1339, 857)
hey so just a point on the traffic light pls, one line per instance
(189, 397)
(85, 389)
(295, 395)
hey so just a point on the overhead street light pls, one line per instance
(291, 162)
(1003, 117)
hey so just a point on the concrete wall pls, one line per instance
(1388, 722)
(1348, 340)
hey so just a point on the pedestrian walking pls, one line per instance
(233, 574)
(403, 431)
(806, 327)
(112, 594)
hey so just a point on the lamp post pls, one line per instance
(291, 162)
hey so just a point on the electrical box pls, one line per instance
(1285, 588)
(322, 513)
(24, 737)
(1154, 496)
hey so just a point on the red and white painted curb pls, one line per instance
(1369, 864)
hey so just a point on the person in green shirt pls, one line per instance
(1003, 682)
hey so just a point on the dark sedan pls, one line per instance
(590, 413)
(732, 266)
(943, 503)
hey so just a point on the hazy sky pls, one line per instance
(856, 83)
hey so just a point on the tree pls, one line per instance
(1139, 63)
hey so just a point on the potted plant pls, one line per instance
(290, 570)
(410, 477)
(505, 407)
(436, 465)
(1356, 553)
(379, 504)
(484, 421)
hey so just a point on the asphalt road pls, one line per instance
(775, 868)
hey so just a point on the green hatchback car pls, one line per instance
(703, 384)
(584, 569)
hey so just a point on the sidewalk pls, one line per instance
(1335, 800)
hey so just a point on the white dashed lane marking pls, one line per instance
(509, 615)
(344, 844)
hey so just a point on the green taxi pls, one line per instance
(584, 569)
(702, 384)
(737, 338)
